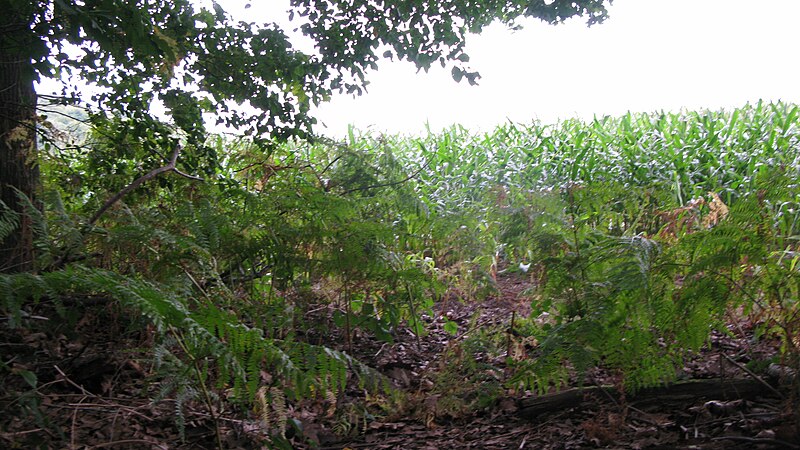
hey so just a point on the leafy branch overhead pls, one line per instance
(350, 34)
(196, 59)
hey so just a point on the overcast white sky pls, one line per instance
(650, 55)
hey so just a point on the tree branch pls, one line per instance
(170, 167)
(186, 175)
(393, 183)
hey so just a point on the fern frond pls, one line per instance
(9, 221)
(184, 394)
(280, 409)
(18, 289)
(65, 232)
(34, 218)
(262, 407)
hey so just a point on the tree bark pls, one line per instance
(19, 167)
(724, 389)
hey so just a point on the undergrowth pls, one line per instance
(642, 234)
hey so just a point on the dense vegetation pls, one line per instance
(641, 234)
(190, 59)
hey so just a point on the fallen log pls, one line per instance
(716, 388)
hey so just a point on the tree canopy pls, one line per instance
(201, 59)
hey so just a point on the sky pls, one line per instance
(651, 55)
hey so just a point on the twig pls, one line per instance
(220, 418)
(755, 377)
(740, 330)
(206, 396)
(625, 405)
(330, 164)
(73, 433)
(86, 394)
(188, 274)
(401, 440)
(414, 315)
(186, 175)
(76, 385)
(128, 441)
(393, 183)
(107, 406)
(510, 333)
(760, 415)
(254, 275)
(757, 441)
(21, 433)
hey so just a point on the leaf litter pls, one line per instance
(93, 390)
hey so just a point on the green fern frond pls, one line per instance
(185, 393)
(65, 233)
(9, 221)
(18, 289)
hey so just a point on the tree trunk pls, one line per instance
(19, 168)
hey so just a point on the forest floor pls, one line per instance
(93, 391)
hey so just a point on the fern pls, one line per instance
(184, 394)
(238, 352)
(18, 289)
(640, 306)
(281, 413)
(65, 233)
(38, 224)
(9, 221)
(272, 410)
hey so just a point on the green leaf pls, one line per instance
(220, 13)
(457, 73)
(339, 319)
(451, 327)
(29, 377)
